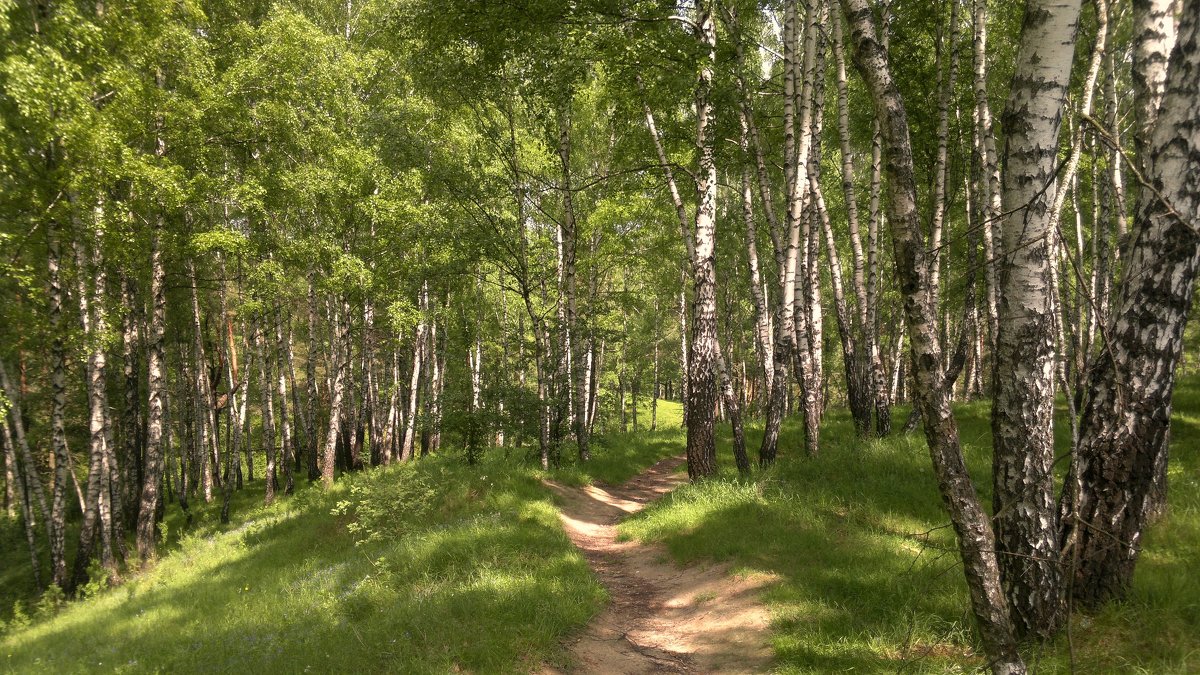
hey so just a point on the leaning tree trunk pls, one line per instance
(1023, 409)
(20, 484)
(22, 443)
(971, 522)
(1126, 417)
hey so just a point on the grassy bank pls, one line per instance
(869, 578)
(429, 567)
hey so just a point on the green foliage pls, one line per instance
(388, 505)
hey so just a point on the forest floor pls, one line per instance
(661, 617)
(437, 567)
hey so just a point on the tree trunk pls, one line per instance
(286, 447)
(96, 513)
(131, 415)
(60, 456)
(203, 394)
(336, 392)
(796, 154)
(153, 474)
(1155, 36)
(1023, 409)
(22, 443)
(20, 484)
(310, 382)
(414, 383)
(1126, 417)
(266, 371)
(703, 352)
(971, 522)
(991, 206)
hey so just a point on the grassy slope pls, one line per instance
(863, 588)
(449, 567)
(477, 574)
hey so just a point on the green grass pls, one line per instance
(437, 567)
(618, 456)
(869, 579)
(428, 567)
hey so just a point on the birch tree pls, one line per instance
(1023, 409)
(976, 540)
(1126, 416)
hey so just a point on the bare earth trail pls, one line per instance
(663, 618)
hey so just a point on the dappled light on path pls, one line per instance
(662, 617)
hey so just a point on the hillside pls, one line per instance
(436, 566)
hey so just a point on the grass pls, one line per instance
(440, 567)
(423, 568)
(618, 456)
(869, 579)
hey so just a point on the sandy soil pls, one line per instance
(663, 618)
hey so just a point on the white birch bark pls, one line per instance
(1126, 417)
(1023, 408)
(971, 522)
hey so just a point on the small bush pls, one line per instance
(388, 504)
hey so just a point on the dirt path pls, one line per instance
(663, 618)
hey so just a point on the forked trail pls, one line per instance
(663, 618)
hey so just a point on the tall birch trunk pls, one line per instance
(762, 313)
(310, 382)
(286, 441)
(60, 456)
(341, 330)
(414, 382)
(796, 154)
(1023, 410)
(1126, 416)
(96, 513)
(984, 132)
(573, 345)
(205, 426)
(266, 371)
(971, 522)
(704, 352)
(157, 388)
(131, 415)
(1155, 37)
